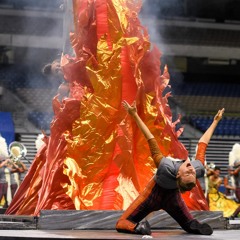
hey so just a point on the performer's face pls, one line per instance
(187, 172)
(56, 69)
(216, 173)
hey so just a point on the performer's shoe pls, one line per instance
(200, 228)
(230, 218)
(143, 228)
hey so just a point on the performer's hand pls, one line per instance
(219, 115)
(7, 161)
(4, 162)
(130, 109)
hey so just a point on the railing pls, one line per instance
(217, 151)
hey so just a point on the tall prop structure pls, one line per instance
(95, 157)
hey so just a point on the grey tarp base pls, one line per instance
(73, 224)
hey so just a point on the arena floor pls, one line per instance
(111, 234)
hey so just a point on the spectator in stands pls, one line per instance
(163, 191)
(54, 71)
(229, 184)
(217, 200)
(3, 180)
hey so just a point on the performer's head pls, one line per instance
(186, 176)
(230, 170)
(53, 69)
(216, 172)
(237, 163)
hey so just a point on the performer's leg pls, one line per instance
(235, 214)
(144, 204)
(1, 191)
(5, 187)
(237, 193)
(13, 189)
(176, 207)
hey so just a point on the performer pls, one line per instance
(54, 71)
(15, 168)
(234, 161)
(3, 181)
(236, 174)
(229, 184)
(162, 192)
(217, 200)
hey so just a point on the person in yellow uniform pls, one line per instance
(217, 200)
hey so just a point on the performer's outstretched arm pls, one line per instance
(132, 110)
(208, 134)
(205, 139)
(237, 170)
(153, 145)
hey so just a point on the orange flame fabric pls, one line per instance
(96, 158)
